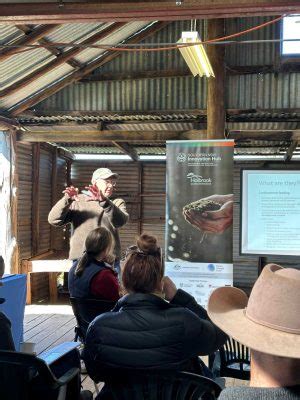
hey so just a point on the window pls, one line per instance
(291, 30)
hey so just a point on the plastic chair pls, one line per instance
(85, 310)
(165, 386)
(234, 360)
(26, 377)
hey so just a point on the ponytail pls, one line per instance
(98, 241)
(82, 263)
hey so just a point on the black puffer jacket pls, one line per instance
(144, 331)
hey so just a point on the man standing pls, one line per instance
(269, 324)
(89, 210)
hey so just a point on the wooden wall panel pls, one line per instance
(24, 171)
(45, 200)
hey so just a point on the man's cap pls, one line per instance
(270, 321)
(103, 173)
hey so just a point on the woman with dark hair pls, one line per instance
(92, 275)
(155, 326)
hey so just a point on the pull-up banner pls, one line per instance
(199, 214)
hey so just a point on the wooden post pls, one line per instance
(140, 198)
(216, 86)
(54, 193)
(35, 198)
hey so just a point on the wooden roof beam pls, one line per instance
(30, 38)
(130, 151)
(92, 11)
(61, 58)
(53, 50)
(107, 136)
(77, 75)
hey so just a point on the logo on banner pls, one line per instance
(198, 179)
(181, 157)
(211, 267)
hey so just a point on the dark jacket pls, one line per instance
(144, 331)
(84, 216)
(6, 339)
(255, 393)
(79, 286)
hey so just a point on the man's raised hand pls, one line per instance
(71, 192)
(95, 193)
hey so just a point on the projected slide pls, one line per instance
(270, 212)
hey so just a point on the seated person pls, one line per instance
(59, 367)
(269, 324)
(91, 276)
(155, 326)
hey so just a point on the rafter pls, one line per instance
(77, 75)
(32, 37)
(92, 11)
(107, 136)
(127, 149)
(61, 58)
(53, 50)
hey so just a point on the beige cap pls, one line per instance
(103, 173)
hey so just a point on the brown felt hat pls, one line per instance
(270, 321)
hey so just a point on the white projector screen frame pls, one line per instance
(273, 198)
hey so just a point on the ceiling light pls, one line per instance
(152, 157)
(100, 157)
(195, 56)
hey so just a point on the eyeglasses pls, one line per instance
(111, 182)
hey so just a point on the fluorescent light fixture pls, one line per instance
(102, 157)
(195, 56)
(152, 158)
(261, 157)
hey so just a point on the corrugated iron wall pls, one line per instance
(138, 95)
(39, 281)
(45, 200)
(60, 236)
(24, 171)
(154, 199)
(254, 53)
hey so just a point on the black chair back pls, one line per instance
(85, 310)
(235, 360)
(26, 377)
(165, 386)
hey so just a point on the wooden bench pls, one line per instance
(52, 262)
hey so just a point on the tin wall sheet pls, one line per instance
(136, 95)
(24, 193)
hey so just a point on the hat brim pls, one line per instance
(109, 175)
(226, 308)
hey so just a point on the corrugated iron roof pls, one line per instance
(20, 65)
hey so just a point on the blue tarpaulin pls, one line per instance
(13, 291)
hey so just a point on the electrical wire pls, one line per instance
(128, 48)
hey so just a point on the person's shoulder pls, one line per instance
(117, 200)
